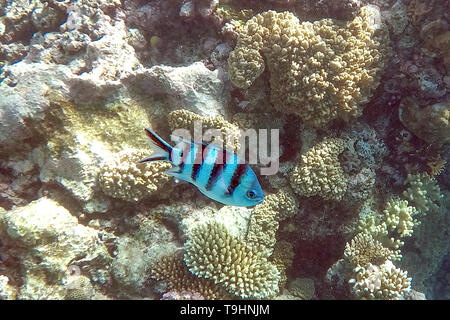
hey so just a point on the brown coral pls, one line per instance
(320, 71)
(320, 172)
(172, 270)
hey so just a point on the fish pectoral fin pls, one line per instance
(174, 171)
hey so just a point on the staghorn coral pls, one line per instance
(363, 249)
(185, 120)
(212, 253)
(265, 217)
(384, 282)
(125, 179)
(320, 71)
(423, 192)
(320, 173)
(172, 270)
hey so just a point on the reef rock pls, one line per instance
(51, 245)
(194, 87)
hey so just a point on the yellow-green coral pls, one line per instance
(399, 217)
(183, 119)
(320, 71)
(423, 192)
(212, 253)
(265, 217)
(381, 282)
(396, 222)
(124, 178)
(363, 250)
(172, 270)
(320, 173)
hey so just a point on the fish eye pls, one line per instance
(251, 194)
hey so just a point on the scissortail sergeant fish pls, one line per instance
(218, 173)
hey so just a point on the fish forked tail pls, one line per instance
(161, 149)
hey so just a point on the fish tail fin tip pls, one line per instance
(161, 149)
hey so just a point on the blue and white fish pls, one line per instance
(216, 172)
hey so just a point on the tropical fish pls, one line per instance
(216, 172)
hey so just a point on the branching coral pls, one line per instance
(320, 71)
(363, 250)
(399, 217)
(172, 270)
(212, 253)
(320, 173)
(128, 180)
(396, 223)
(423, 192)
(384, 282)
(183, 119)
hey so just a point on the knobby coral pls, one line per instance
(124, 178)
(264, 221)
(172, 270)
(230, 133)
(320, 71)
(320, 172)
(212, 253)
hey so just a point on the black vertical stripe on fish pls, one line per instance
(241, 168)
(198, 160)
(219, 166)
(184, 153)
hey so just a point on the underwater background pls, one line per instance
(358, 89)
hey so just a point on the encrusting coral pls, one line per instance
(212, 253)
(230, 134)
(381, 282)
(320, 172)
(124, 178)
(321, 71)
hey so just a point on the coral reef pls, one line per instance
(320, 172)
(212, 253)
(359, 94)
(296, 54)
